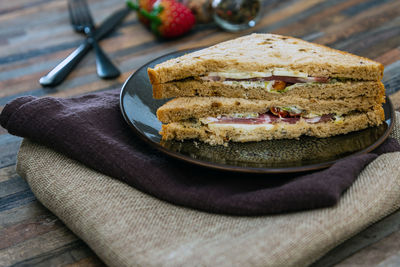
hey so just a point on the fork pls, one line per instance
(82, 21)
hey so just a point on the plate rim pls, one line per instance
(238, 169)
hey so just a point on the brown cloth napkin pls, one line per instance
(126, 227)
(91, 129)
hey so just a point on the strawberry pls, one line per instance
(166, 18)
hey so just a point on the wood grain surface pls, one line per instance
(35, 35)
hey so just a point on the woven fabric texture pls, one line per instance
(126, 227)
(91, 130)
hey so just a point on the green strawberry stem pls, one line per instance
(152, 16)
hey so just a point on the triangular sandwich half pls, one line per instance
(218, 120)
(265, 66)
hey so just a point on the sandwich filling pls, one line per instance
(278, 80)
(290, 115)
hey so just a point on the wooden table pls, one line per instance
(35, 35)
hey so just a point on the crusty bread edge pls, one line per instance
(153, 76)
(158, 90)
(380, 65)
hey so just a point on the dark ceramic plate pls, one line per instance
(278, 156)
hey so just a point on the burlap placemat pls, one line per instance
(126, 227)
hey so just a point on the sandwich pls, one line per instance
(266, 86)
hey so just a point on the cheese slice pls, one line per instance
(240, 75)
(248, 84)
(290, 73)
(248, 75)
(245, 127)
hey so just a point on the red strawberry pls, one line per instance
(166, 18)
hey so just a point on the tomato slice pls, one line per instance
(279, 85)
(279, 112)
(283, 113)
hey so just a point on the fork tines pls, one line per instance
(80, 14)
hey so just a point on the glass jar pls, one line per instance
(236, 15)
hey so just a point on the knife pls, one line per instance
(61, 71)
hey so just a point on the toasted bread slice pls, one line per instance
(218, 134)
(306, 90)
(263, 52)
(184, 108)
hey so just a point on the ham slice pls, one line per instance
(269, 118)
(290, 120)
(261, 119)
